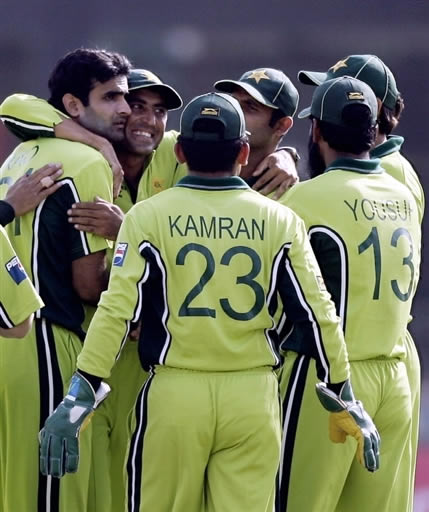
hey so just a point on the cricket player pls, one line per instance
(18, 298)
(269, 101)
(200, 265)
(150, 166)
(66, 267)
(373, 71)
(364, 229)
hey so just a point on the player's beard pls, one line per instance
(316, 163)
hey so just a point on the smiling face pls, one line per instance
(107, 110)
(146, 125)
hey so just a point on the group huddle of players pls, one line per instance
(147, 277)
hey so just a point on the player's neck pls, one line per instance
(255, 158)
(381, 137)
(133, 165)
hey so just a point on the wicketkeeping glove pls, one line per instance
(59, 438)
(348, 417)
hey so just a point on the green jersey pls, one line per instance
(18, 298)
(364, 229)
(201, 265)
(44, 240)
(395, 164)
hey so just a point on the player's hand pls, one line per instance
(118, 174)
(134, 334)
(30, 190)
(348, 417)
(277, 172)
(59, 438)
(99, 217)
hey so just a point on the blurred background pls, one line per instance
(192, 43)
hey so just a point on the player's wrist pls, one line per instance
(7, 213)
(292, 151)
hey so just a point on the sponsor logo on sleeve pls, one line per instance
(16, 270)
(120, 253)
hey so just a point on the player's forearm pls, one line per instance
(7, 213)
(106, 335)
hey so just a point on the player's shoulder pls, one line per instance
(168, 141)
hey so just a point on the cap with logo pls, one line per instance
(332, 96)
(270, 87)
(212, 117)
(142, 78)
(368, 68)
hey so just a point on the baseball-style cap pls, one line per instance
(332, 96)
(141, 78)
(270, 87)
(212, 117)
(368, 68)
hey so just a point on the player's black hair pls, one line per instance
(211, 156)
(275, 116)
(77, 72)
(388, 119)
(356, 135)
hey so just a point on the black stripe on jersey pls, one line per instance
(35, 244)
(135, 454)
(27, 130)
(154, 307)
(271, 334)
(291, 410)
(51, 394)
(331, 253)
(5, 320)
(305, 337)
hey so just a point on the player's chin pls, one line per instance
(117, 134)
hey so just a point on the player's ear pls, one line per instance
(283, 125)
(178, 151)
(243, 155)
(379, 105)
(72, 105)
(315, 130)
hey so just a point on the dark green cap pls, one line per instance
(368, 68)
(332, 96)
(270, 87)
(142, 78)
(212, 117)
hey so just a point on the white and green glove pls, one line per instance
(59, 438)
(348, 417)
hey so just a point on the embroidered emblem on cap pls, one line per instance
(258, 76)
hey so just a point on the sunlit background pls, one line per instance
(191, 44)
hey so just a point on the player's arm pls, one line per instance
(20, 330)
(29, 117)
(316, 326)
(118, 307)
(277, 172)
(313, 315)
(90, 276)
(18, 298)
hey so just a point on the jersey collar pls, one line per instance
(371, 166)
(389, 146)
(224, 183)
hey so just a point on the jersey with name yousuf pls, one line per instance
(201, 265)
(45, 241)
(18, 298)
(364, 229)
